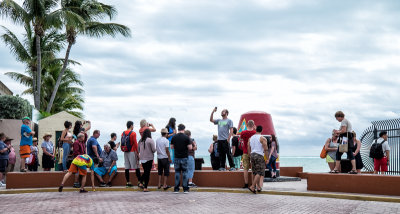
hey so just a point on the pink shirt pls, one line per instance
(11, 156)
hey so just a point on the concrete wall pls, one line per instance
(203, 178)
(12, 128)
(364, 183)
(52, 124)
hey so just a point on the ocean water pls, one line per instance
(309, 164)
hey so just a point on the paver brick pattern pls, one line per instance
(194, 202)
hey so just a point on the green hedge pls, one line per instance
(14, 107)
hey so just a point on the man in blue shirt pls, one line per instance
(26, 142)
(93, 146)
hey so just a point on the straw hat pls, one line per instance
(47, 134)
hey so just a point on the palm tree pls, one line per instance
(70, 94)
(39, 14)
(92, 12)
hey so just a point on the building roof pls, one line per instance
(4, 89)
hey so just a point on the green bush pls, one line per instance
(14, 107)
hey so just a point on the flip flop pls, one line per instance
(353, 172)
(253, 191)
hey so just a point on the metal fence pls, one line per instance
(368, 138)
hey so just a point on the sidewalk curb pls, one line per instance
(265, 192)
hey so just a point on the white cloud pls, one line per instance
(299, 60)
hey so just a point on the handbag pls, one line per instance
(344, 146)
(323, 153)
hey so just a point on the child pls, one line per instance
(33, 166)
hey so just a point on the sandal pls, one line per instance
(259, 190)
(252, 190)
(159, 187)
(353, 172)
(140, 185)
(167, 187)
(334, 171)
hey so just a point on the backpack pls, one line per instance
(376, 150)
(215, 146)
(239, 149)
(125, 142)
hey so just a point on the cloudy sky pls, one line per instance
(301, 61)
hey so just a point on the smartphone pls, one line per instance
(215, 108)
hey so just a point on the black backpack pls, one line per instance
(376, 150)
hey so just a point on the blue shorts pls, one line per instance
(102, 170)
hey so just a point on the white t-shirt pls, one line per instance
(255, 144)
(161, 144)
(346, 123)
(385, 145)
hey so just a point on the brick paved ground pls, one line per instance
(195, 202)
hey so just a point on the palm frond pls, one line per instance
(98, 29)
(11, 9)
(16, 48)
(21, 78)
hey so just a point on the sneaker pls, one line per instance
(102, 184)
(129, 185)
(60, 188)
(176, 191)
(76, 185)
(192, 185)
(109, 184)
(232, 169)
(2, 184)
(186, 192)
(221, 169)
(83, 191)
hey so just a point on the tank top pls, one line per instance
(332, 154)
(255, 144)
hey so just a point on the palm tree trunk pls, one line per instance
(38, 74)
(53, 94)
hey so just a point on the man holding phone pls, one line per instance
(225, 131)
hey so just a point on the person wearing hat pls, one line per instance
(34, 163)
(48, 152)
(26, 142)
(163, 158)
(4, 150)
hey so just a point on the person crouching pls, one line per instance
(80, 163)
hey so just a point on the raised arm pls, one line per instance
(88, 126)
(152, 128)
(212, 115)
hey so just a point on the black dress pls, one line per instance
(359, 163)
(47, 161)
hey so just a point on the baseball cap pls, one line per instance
(26, 118)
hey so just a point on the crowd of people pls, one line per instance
(344, 140)
(76, 152)
(248, 150)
